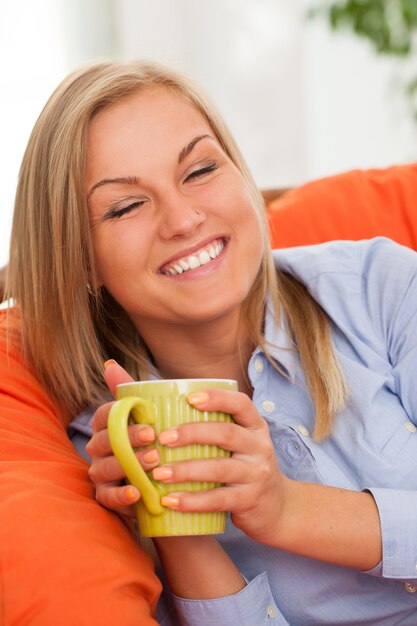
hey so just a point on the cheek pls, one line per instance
(255, 227)
(113, 259)
(251, 240)
(258, 240)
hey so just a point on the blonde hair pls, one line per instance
(68, 330)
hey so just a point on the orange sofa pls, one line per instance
(354, 205)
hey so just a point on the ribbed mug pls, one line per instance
(163, 404)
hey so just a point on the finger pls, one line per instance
(108, 469)
(238, 404)
(219, 499)
(114, 374)
(118, 498)
(139, 435)
(229, 470)
(223, 434)
(101, 416)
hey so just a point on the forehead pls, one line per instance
(150, 114)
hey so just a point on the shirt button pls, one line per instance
(410, 588)
(303, 430)
(268, 406)
(410, 427)
(259, 366)
(271, 612)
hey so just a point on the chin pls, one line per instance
(207, 311)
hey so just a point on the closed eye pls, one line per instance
(201, 172)
(115, 212)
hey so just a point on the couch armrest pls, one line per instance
(273, 194)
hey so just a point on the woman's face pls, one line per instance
(176, 236)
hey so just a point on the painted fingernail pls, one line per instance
(131, 494)
(109, 362)
(170, 501)
(146, 435)
(151, 456)
(162, 473)
(168, 436)
(198, 397)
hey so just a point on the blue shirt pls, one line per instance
(369, 291)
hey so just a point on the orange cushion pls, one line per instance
(354, 205)
(64, 560)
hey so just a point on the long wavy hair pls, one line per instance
(68, 327)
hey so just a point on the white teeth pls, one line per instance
(185, 266)
(204, 257)
(193, 262)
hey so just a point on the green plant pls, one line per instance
(390, 26)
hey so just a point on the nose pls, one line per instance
(179, 217)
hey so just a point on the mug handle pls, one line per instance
(143, 412)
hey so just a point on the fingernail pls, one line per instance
(109, 362)
(131, 494)
(162, 473)
(198, 397)
(146, 435)
(168, 436)
(151, 456)
(170, 501)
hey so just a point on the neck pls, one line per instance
(216, 349)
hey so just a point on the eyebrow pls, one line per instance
(120, 180)
(186, 151)
(134, 180)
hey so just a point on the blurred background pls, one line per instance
(302, 100)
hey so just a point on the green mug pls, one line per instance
(163, 404)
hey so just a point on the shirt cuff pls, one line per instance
(398, 517)
(252, 606)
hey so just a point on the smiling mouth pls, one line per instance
(192, 261)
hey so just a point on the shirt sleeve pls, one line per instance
(398, 515)
(252, 606)
(390, 291)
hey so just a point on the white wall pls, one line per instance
(356, 112)
(301, 101)
(40, 42)
(23, 88)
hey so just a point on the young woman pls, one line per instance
(139, 236)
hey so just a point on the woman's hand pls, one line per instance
(105, 470)
(255, 490)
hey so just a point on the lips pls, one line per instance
(196, 259)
